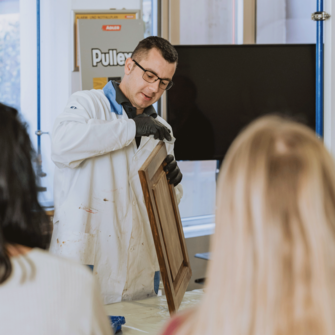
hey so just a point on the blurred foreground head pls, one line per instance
(22, 220)
(273, 252)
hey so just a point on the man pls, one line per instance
(99, 143)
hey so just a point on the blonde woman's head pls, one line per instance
(273, 251)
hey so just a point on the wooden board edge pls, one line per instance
(182, 287)
(145, 165)
(185, 270)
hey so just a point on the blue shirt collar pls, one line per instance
(110, 94)
(117, 99)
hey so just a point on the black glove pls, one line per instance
(146, 125)
(174, 175)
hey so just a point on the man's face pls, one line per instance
(140, 93)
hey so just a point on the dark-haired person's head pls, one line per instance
(22, 220)
(149, 72)
(168, 52)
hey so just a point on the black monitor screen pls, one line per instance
(219, 89)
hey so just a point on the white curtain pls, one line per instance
(271, 17)
(285, 21)
(299, 26)
(206, 21)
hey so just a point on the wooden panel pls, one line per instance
(165, 19)
(166, 227)
(170, 232)
(174, 21)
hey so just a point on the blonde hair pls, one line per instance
(273, 251)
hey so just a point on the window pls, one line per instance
(147, 17)
(10, 53)
(198, 203)
(209, 22)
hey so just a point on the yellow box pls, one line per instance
(99, 83)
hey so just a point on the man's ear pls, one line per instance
(128, 66)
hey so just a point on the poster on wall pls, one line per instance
(125, 15)
(104, 46)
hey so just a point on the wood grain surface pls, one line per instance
(170, 231)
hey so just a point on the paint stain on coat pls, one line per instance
(89, 210)
(57, 240)
(105, 199)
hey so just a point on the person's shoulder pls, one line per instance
(88, 94)
(70, 285)
(61, 265)
(87, 100)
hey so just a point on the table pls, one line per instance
(149, 315)
(205, 255)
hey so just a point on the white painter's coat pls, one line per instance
(100, 215)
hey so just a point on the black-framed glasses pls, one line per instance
(151, 77)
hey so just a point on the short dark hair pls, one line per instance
(22, 219)
(167, 50)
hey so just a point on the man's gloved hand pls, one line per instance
(146, 125)
(174, 175)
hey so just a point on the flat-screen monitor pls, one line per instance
(219, 89)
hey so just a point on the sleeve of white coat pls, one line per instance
(78, 134)
(179, 192)
(100, 322)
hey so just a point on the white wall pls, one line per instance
(56, 64)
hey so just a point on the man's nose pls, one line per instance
(155, 86)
